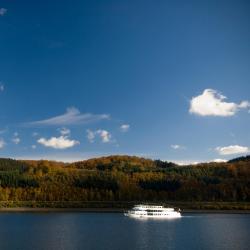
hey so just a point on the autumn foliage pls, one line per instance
(124, 178)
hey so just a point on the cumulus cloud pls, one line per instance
(90, 135)
(3, 11)
(61, 142)
(124, 128)
(72, 117)
(244, 104)
(104, 135)
(2, 143)
(232, 149)
(212, 103)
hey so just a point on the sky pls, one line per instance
(165, 80)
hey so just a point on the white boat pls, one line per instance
(149, 211)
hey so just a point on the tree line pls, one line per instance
(124, 178)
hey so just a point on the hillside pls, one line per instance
(240, 159)
(121, 179)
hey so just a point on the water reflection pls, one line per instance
(73, 231)
(233, 232)
(157, 232)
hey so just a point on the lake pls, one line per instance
(113, 231)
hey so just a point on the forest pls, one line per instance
(122, 179)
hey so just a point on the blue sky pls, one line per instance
(146, 78)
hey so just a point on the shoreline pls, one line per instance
(109, 210)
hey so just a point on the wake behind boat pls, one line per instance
(149, 211)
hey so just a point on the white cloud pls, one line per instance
(64, 131)
(124, 128)
(3, 11)
(71, 117)
(219, 160)
(232, 149)
(212, 103)
(193, 162)
(60, 156)
(185, 162)
(244, 104)
(104, 135)
(33, 146)
(2, 143)
(61, 142)
(90, 135)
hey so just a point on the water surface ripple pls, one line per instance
(80, 231)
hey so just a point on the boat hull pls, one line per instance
(167, 216)
(153, 211)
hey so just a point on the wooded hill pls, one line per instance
(123, 178)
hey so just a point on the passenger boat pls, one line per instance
(150, 211)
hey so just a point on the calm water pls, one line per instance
(67, 231)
